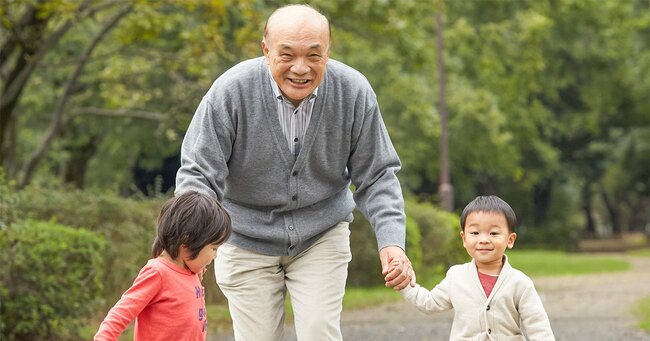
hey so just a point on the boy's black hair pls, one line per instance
(492, 204)
(191, 219)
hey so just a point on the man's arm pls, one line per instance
(206, 148)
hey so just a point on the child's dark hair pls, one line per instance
(492, 204)
(191, 219)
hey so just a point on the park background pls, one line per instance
(544, 103)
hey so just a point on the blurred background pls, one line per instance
(543, 103)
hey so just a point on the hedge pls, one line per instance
(51, 278)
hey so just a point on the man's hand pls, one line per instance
(396, 276)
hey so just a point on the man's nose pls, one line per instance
(299, 67)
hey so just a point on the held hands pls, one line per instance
(396, 268)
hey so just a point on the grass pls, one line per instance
(556, 263)
(640, 252)
(642, 312)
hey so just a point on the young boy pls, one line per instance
(491, 299)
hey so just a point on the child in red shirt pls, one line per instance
(167, 299)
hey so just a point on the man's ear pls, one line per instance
(265, 49)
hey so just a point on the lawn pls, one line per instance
(557, 263)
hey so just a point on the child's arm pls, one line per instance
(136, 298)
(533, 316)
(426, 301)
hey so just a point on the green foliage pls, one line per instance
(52, 278)
(440, 242)
(9, 200)
(365, 267)
(127, 224)
(432, 244)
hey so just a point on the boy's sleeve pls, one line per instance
(427, 301)
(533, 316)
(136, 298)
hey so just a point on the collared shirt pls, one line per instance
(294, 121)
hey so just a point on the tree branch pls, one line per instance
(57, 115)
(121, 113)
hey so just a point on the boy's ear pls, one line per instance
(511, 240)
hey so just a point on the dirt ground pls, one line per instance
(581, 308)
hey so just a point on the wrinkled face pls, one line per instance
(206, 256)
(297, 55)
(486, 238)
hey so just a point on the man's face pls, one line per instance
(297, 56)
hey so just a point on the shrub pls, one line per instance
(440, 238)
(128, 225)
(51, 278)
(432, 244)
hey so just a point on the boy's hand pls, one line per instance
(396, 276)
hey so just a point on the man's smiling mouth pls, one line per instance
(299, 81)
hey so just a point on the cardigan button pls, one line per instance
(488, 308)
(294, 173)
(294, 198)
(489, 331)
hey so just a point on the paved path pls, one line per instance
(581, 308)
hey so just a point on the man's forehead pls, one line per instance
(285, 46)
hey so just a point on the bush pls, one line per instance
(432, 244)
(51, 278)
(440, 238)
(128, 225)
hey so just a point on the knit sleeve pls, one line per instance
(205, 150)
(133, 301)
(373, 167)
(533, 316)
(427, 301)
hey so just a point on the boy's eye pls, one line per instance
(474, 233)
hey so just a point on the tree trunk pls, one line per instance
(614, 213)
(74, 171)
(542, 198)
(446, 190)
(587, 208)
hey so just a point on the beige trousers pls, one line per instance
(255, 286)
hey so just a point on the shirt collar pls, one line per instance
(278, 94)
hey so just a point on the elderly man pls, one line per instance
(278, 139)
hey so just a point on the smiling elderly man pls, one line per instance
(278, 139)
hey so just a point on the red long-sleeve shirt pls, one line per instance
(167, 302)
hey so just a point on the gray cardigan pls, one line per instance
(234, 149)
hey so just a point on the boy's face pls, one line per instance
(486, 237)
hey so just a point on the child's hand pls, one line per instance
(395, 267)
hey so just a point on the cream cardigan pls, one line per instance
(514, 308)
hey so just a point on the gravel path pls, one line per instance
(581, 308)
